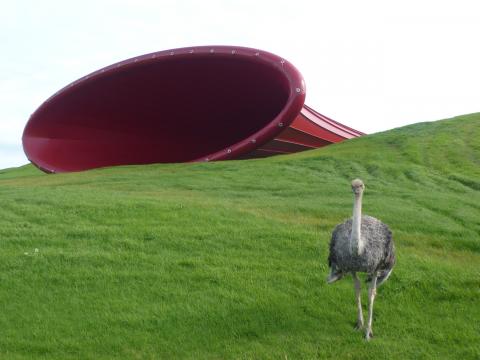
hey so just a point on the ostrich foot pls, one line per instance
(368, 335)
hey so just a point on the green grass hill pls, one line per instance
(228, 260)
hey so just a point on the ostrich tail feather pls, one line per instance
(382, 276)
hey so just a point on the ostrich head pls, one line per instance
(358, 187)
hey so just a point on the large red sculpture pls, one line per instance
(191, 104)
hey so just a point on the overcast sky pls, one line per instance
(372, 65)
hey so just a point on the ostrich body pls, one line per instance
(362, 244)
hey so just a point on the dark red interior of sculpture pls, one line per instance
(163, 109)
(191, 104)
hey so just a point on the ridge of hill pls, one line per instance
(228, 259)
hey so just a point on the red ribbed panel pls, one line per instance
(309, 130)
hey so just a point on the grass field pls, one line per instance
(227, 260)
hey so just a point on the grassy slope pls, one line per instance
(228, 260)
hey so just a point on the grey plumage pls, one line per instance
(378, 255)
(362, 244)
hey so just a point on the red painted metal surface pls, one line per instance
(190, 104)
(309, 130)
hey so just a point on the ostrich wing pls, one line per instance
(332, 256)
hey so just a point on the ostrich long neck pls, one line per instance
(356, 242)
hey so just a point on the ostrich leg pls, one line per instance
(372, 291)
(358, 297)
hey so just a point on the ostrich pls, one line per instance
(362, 244)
